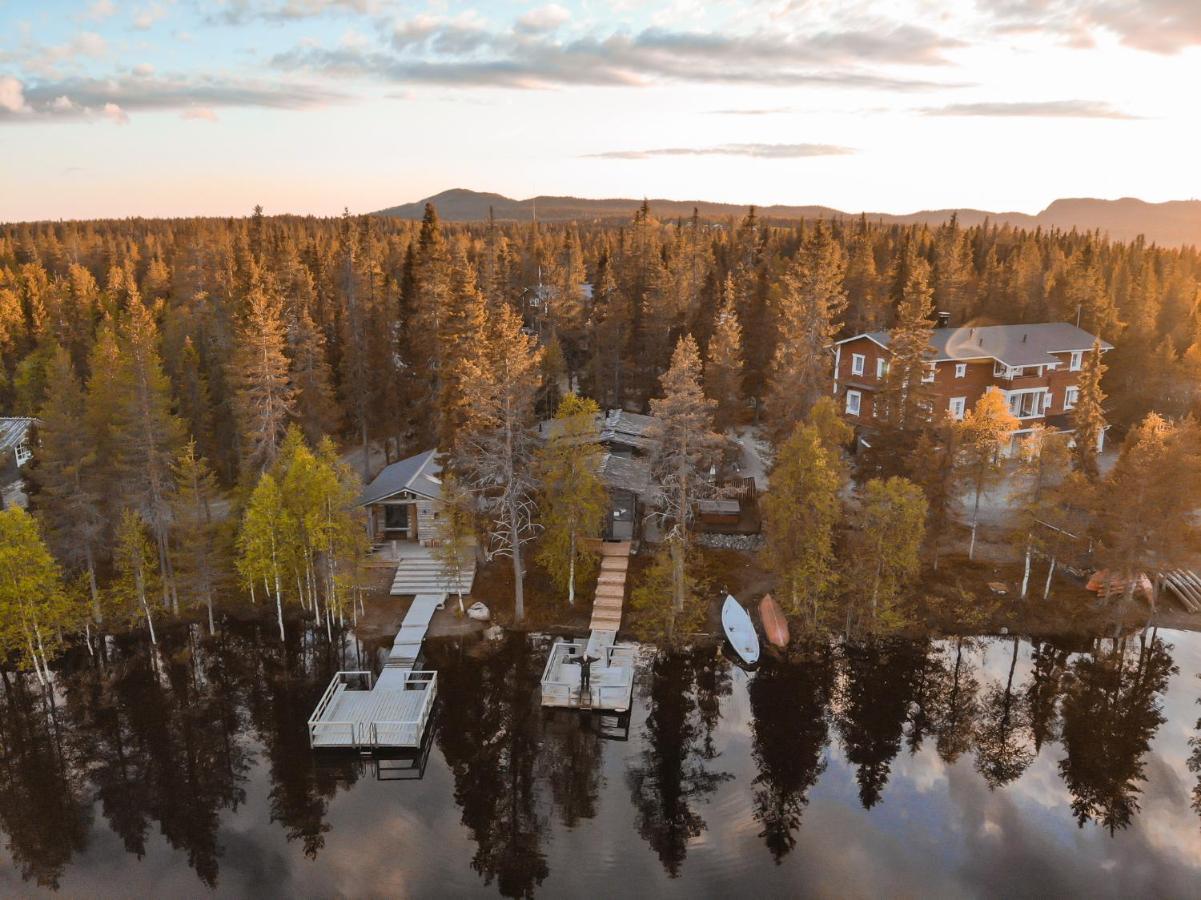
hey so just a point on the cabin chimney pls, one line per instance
(944, 319)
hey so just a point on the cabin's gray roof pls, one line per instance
(628, 473)
(613, 427)
(1014, 345)
(13, 431)
(419, 474)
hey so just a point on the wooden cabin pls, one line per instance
(404, 501)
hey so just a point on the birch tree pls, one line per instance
(1043, 463)
(887, 529)
(574, 500)
(982, 436)
(34, 609)
(800, 515)
(455, 547)
(136, 567)
(260, 542)
(685, 444)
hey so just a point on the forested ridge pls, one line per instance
(182, 368)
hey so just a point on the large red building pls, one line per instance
(1037, 367)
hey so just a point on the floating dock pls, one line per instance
(610, 665)
(358, 710)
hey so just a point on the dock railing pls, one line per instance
(405, 732)
(558, 691)
(318, 727)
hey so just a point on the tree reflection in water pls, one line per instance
(790, 703)
(1111, 710)
(164, 743)
(671, 777)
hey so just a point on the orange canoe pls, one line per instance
(775, 626)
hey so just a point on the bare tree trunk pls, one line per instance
(1026, 573)
(571, 573)
(971, 549)
(518, 576)
(1047, 586)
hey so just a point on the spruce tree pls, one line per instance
(723, 371)
(685, 445)
(1088, 415)
(464, 345)
(316, 406)
(196, 554)
(906, 397)
(264, 396)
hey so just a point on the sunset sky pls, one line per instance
(181, 107)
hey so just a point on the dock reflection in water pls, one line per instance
(972, 766)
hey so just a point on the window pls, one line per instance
(853, 400)
(857, 361)
(1029, 404)
(881, 367)
(929, 376)
(958, 406)
(24, 454)
(1070, 396)
(960, 370)
(1077, 360)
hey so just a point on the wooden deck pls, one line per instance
(393, 710)
(611, 677)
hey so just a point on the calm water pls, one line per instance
(937, 768)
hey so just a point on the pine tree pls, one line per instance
(800, 516)
(810, 303)
(723, 372)
(1088, 416)
(496, 445)
(906, 401)
(574, 501)
(316, 405)
(263, 392)
(685, 444)
(195, 405)
(146, 436)
(932, 462)
(34, 609)
(982, 437)
(463, 344)
(68, 495)
(196, 558)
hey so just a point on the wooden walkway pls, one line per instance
(611, 586)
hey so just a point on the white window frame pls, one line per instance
(958, 407)
(961, 370)
(854, 408)
(24, 453)
(1071, 396)
(858, 362)
(1077, 362)
(881, 367)
(931, 371)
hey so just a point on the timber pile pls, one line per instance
(1186, 585)
(610, 586)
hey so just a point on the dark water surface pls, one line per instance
(936, 768)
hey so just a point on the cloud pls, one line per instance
(48, 59)
(74, 98)
(100, 10)
(758, 151)
(770, 111)
(1049, 109)
(462, 53)
(1157, 26)
(200, 113)
(148, 15)
(12, 96)
(239, 12)
(543, 19)
(115, 113)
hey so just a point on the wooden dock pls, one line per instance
(358, 710)
(610, 665)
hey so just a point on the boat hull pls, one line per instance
(775, 626)
(740, 630)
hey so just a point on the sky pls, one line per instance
(185, 107)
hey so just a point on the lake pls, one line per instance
(938, 768)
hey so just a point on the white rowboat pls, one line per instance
(740, 630)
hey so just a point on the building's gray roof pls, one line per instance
(613, 427)
(627, 473)
(1014, 345)
(13, 432)
(419, 474)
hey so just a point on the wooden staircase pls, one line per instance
(611, 586)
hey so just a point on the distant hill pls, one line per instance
(1173, 224)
